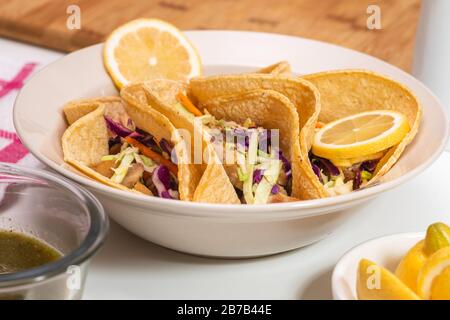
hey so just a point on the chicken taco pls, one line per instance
(164, 96)
(302, 94)
(259, 103)
(128, 148)
(256, 136)
(366, 122)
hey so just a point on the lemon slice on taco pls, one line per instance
(346, 152)
(360, 135)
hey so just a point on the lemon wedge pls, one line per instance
(409, 267)
(145, 49)
(360, 134)
(377, 283)
(441, 286)
(432, 282)
(437, 237)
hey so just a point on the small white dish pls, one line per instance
(220, 230)
(386, 251)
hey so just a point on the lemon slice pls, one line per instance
(360, 135)
(374, 282)
(434, 275)
(351, 161)
(145, 49)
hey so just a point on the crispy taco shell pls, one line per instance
(301, 94)
(347, 92)
(268, 109)
(75, 109)
(85, 142)
(160, 94)
(211, 184)
(282, 68)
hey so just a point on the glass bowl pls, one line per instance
(52, 209)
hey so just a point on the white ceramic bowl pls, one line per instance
(385, 251)
(219, 230)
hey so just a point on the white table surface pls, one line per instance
(128, 267)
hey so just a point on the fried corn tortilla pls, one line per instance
(160, 95)
(300, 91)
(74, 110)
(268, 109)
(214, 186)
(85, 142)
(347, 92)
(282, 68)
(302, 94)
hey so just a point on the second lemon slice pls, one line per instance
(145, 49)
(360, 135)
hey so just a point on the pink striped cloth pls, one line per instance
(13, 74)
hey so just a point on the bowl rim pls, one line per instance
(200, 209)
(95, 237)
(339, 267)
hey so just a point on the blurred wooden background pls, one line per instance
(342, 22)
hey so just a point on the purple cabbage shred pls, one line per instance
(316, 170)
(117, 128)
(257, 176)
(275, 189)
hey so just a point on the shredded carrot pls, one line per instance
(319, 125)
(153, 155)
(184, 100)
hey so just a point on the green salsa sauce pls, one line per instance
(20, 252)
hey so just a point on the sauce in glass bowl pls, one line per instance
(19, 252)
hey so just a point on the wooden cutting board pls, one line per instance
(342, 22)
